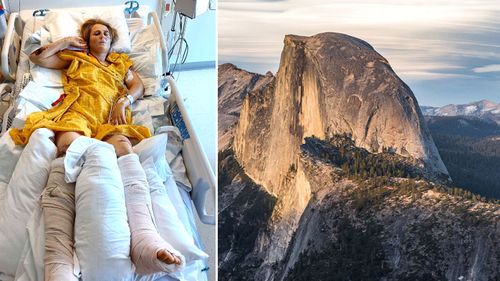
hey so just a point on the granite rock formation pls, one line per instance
(326, 85)
(234, 85)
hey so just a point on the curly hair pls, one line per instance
(87, 27)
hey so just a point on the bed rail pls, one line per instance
(11, 47)
(153, 18)
(199, 171)
(6, 104)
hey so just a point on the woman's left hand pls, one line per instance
(118, 116)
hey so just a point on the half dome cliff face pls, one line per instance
(330, 84)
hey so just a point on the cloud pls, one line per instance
(429, 75)
(487, 68)
(423, 40)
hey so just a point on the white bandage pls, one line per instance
(146, 242)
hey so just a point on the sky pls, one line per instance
(446, 51)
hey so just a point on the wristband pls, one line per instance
(130, 99)
(123, 100)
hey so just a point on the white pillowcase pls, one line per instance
(61, 24)
(64, 23)
(154, 148)
(40, 96)
(21, 196)
(169, 225)
(10, 155)
(102, 234)
(146, 56)
(143, 46)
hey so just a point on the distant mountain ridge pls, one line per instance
(484, 109)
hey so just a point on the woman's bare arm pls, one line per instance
(135, 89)
(46, 56)
(134, 85)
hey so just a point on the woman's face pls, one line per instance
(100, 38)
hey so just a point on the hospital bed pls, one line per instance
(163, 113)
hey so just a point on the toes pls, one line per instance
(167, 257)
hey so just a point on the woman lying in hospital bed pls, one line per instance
(99, 87)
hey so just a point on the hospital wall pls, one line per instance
(201, 37)
(200, 34)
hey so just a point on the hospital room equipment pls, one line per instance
(33, 88)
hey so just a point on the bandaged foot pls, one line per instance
(58, 203)
(149, 252)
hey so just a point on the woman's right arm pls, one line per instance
(46, 56)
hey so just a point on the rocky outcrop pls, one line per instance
(398, 230)
(243, 213)
(234, 85)
(357, 229)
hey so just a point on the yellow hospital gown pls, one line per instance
(91, 89)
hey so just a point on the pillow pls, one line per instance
(61, 24)
(42, 97)
(174, 156)
(174, 194)
(64, 23)
(34, 98)
(146, 57)
(31, 264)
(102, 235)
(43, 76)
(115, 17)
(154, 148)
(10, 155)
(21, 196)
(169, 225)
(134, 25)
(145, 109)
(46, 76)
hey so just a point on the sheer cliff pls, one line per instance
(328, 84)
